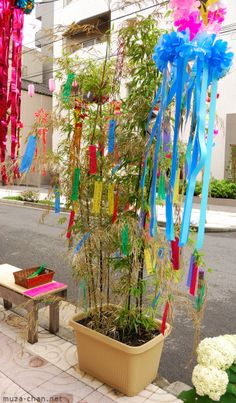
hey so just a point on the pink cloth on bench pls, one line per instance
(43, 289)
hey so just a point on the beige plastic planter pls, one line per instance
(125, 368)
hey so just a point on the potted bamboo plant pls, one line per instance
(125, 277)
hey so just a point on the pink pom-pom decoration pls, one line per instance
(51, 84)
(74, 84)
(31, 90)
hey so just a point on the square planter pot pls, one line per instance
(127, 369)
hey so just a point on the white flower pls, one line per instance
(217, 352)
(210, 381)
(232, 339)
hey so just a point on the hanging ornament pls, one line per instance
(92, 159)
(51, 84)
(75, 188)
(125, 239)
(111, 136)
(28, 155)
(175, 253)
(111, 200)
(161, 187)
(67, 88)
(115, 213)
(71, 223)
(148, 261)
(164, 318)
(97, 197)
(31, 90)
(176, 188)
(57, 203)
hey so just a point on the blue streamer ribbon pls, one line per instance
(181, 72)
(199, 157)
(28, 155)
(207, 169)
(57, 204)
(111, 136)
(153, 210)
(81, 242)
(155, 301)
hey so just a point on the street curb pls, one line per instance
(38, 206)
(162, 224)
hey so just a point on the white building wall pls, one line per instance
(79, 10)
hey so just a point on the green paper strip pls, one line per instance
(161, 188)
(67, 87)
(125, 239)
(76, 182)
(82, 286)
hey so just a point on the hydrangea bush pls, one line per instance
(214, 378)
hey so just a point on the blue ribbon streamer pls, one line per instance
(57, 204)
(111, 136)
(207, 169)
(153, 210)
(199, 157)
(28, 155)
(154, 303)
(81, 242)
(181, 72)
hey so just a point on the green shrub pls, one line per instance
(29, 195)
(223, 189)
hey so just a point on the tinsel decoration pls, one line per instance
(11, 36)
(97, 197)
(76, 182)
(28, 155)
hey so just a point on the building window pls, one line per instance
(87, 32)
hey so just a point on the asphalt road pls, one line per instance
(26, 242)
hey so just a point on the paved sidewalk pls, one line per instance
(219, 218)
(47, 370)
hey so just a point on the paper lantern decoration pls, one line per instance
(31, 90)
(51, 84)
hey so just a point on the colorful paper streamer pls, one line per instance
(92, 159)
(28, 155)
(111, 198)
(71, 223)
(76, 182)
(111, 136)
(97, 197)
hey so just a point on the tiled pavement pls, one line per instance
(47, 371)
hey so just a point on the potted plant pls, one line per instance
(125, 276)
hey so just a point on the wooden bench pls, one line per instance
(14, 294)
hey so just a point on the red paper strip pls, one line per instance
(71, 222)
(175, 253)
(164, 318)
(92, 159)
(114, 218)
(194, 280)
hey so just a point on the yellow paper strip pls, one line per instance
(148, 261)
(176, 188)
(97, 197)
(111, 200)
